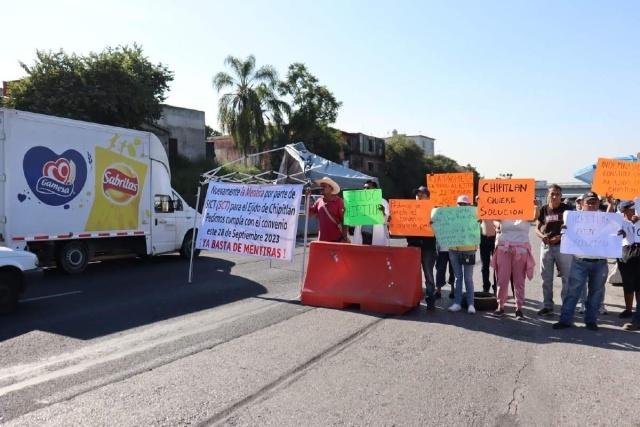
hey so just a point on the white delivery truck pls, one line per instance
(72, 191)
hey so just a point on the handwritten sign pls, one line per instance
(410, 217)
(456, 226)
(592, 233)
(446, 187)
(619, 178)
(506, 199)
(256, 220)
(362, 207)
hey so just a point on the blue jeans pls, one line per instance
(462, 272)
(428, 262)
(593, 275)
(550, 257)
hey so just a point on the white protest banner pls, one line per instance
(592, 233)
(246, 219)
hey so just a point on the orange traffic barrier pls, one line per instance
(379, 279)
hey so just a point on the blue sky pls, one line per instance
(534, 88)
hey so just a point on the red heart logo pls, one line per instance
(60, 170)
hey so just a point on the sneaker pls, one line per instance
(561, 325)
(499, 312)
(519, 314)
(603, 311)
(471, 310)
(545, 312)
(625, 314)
(631, 326)
(592, 326)
(455, 307)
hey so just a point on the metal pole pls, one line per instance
(193, 234)
(306, 229)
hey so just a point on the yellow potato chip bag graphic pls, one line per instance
(118, 188)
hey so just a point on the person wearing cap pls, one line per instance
(579, 203)
(330, 212)
(629, 264)
(463, 271)
(376, 234)
(428, 253)
(548, 229)
(586, 271)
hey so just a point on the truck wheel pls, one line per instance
(9, 285)
(185, 249)
(73, 257)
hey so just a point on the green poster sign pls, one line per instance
(362, 207)
(456, 226)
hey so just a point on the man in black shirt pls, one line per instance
(549, 226)
(427, 247)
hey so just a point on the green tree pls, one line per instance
(250, 104)
(118, 86)
(405, 167)
(313, 109)
(209, 132)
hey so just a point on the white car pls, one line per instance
(17, 268)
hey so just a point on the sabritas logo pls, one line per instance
(120, 183)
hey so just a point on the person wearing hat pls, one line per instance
(548, 229)
(463, 270)
(428, 253)
(376, 234)
(579, 203)
(629, 264)
(586, 271)
(330, 212)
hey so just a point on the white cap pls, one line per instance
(463, 199)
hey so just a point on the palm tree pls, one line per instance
(251, 101)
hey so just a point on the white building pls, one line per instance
(426, 143)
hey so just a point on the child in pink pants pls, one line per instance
(512, 261)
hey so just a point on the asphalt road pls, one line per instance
(131, 343)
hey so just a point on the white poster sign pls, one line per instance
(247, 219)
(592, 234)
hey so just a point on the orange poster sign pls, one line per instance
(446, 187)
(619, 178)
(506, 199)
(410, 217)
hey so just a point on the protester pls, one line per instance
(579, 203)
(585, 271)
(330, 212)
(512, 261)
(428, 252)
(377, 234)
(442, 264)
(462, 259)
(487, 246)
(629, 264)
(548, 229)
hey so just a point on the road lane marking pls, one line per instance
(50, 296)
(118, 346)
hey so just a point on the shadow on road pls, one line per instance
(533, 328)
(114, 296)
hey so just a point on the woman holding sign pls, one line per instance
(512, 261)
(463, 259)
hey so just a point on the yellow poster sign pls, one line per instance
(119, 182)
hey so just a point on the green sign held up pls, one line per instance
(362, 207)
(456, 226)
